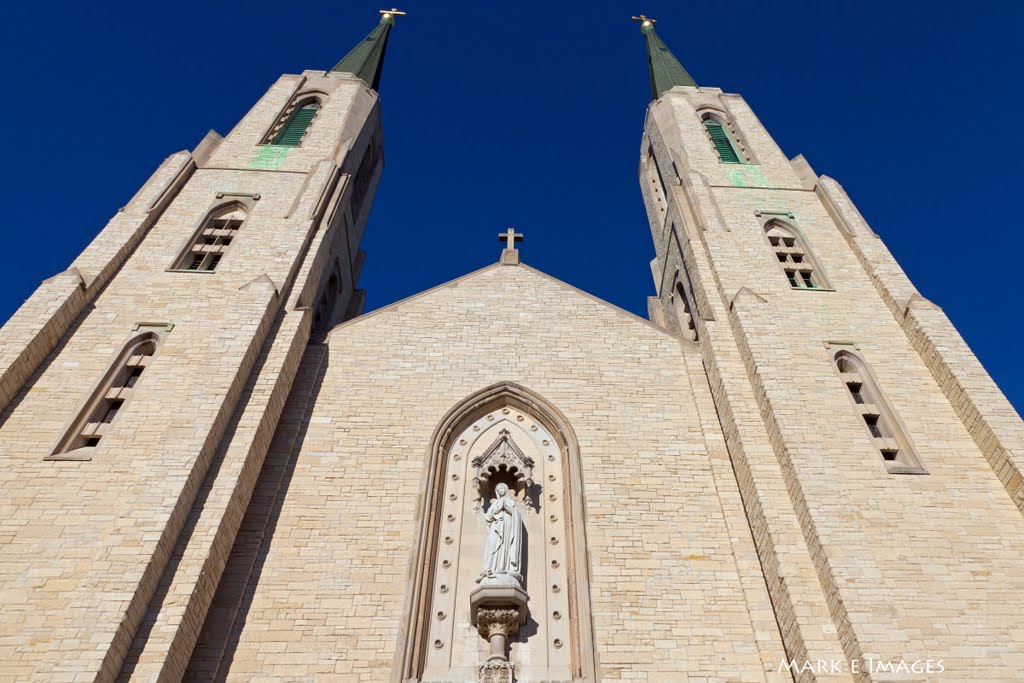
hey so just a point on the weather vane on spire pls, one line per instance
(646, 23)
(389, 15)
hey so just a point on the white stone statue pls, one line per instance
(503, 552)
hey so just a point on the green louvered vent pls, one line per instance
(722, 142)
(291, 134)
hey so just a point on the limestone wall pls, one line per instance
(85, 544)
(676, 592)
(861, 563)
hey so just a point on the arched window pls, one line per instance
(728, 150)
(323, 317)
(657, 182)
(364, 174)
(292, 125)
(212, 240)
(880, 420)
(108, 399)
(794, 257)
(684, 313)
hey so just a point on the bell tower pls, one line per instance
(851, 406)
(152, 373)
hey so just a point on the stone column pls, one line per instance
(496, 625)
(497, 612)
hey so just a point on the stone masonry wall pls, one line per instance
(910, 567)
(671, 561)
(84, 545)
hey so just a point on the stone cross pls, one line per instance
(511, 236)
(510, 255)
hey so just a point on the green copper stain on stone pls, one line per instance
(759, 178)
(748, 176)
(736, 179)
(270, 157)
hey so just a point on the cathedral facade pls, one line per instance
(216, 467)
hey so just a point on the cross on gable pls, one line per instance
(511, 237)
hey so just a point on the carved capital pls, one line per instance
(497, 621)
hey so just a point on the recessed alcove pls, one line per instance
(504, 440)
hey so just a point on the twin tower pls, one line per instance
(215, 468)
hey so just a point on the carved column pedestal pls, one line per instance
(497, 612)
(496, 672)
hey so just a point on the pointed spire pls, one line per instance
(366, 60)
(666, 71)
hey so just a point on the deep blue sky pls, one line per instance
(530, 113)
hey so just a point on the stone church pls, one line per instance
(215, 467)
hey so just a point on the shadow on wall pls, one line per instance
(184, 538)
(215, 649)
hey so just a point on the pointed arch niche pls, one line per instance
(502, 434)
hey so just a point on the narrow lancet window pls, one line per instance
(364, 174)
(324, 317)
(657, 182)
(879, 419)
(291, 135)
(107, 402)
(213, 240)
(723, 142)
(292, 125)
(684, 313)
(794, 257)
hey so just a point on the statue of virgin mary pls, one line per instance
(503, 551)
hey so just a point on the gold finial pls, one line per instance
(389, 15)
(646, 23)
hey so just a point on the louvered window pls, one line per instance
(107, 402)
(722, 142)
(364, 174)
(793, 256)
(291, 134)
(212, 241)
(683, 313)
(883, 427)
(657, 184)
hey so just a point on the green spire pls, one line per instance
(666, 71)
(366, 60)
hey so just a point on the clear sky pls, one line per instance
(530, 114)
